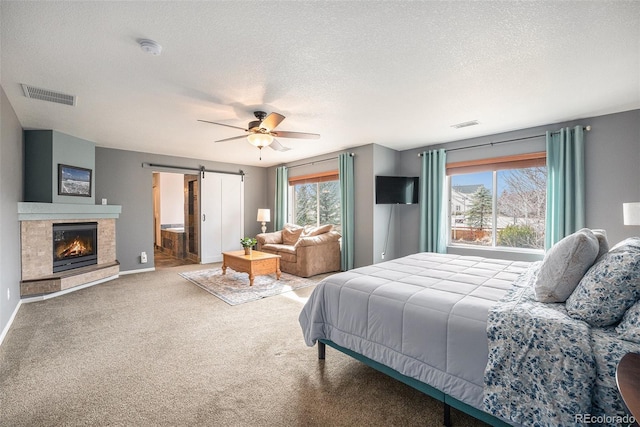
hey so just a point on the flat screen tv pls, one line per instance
(396, 190)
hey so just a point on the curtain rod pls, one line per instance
(318, 161)
(201, 169)
(587, 128)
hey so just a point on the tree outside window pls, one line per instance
(317, 203)
(519, 197)
(479, 213)
(522, 203)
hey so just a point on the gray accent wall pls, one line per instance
(44, 151)
(38, 154)
(72, 151)
(385, 163)
(612, 165)
(122, 180)
(11, 167)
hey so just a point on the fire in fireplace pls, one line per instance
(75, 245)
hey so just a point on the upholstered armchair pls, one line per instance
(304, 251)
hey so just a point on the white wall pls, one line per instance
(171, 198)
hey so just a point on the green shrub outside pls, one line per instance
(517, 236)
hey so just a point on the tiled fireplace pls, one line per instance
(65, 246)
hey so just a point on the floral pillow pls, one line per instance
(629, 327)
(610, 287)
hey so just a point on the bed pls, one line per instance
(468, 331)
(422, 316)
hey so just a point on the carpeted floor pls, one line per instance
(152, 349)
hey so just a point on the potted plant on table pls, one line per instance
(247, 243)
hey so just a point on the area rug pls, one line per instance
(233, 287)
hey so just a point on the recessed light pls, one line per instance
(151, 47)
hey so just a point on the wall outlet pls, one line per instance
(143, 257)
(382, 255)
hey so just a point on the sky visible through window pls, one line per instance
(484, 178)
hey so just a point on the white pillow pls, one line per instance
(601, 235)
(564, 265)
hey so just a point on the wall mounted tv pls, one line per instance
(395, 190)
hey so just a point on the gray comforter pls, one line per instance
(423, 315)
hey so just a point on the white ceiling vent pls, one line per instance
(465, 124)
(48, 95)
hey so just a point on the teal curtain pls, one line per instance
(347, 210)
(565, 184)
(433, 229)
(282, 187)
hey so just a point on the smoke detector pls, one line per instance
(149, 46)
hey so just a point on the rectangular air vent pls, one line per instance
(48, 95)
(465, 124)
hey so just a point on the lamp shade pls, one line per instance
(260, 140)
(264, 215)
(631, 213)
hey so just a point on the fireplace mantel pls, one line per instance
(31, 211)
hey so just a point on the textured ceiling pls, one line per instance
(398, 74)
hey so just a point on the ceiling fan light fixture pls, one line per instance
(260, 140)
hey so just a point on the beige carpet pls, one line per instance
(152, 349)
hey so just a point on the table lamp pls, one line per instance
(264, 216)
(631, 213)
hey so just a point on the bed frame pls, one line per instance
(447, 400)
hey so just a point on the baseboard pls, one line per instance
(66, 291)
(5, 331)
(142, 270)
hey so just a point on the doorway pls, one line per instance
(175, 214)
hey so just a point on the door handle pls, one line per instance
(204, 217)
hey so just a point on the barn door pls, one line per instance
(221, 215)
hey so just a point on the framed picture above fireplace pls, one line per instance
(74, 181)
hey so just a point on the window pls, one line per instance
(316, 199)
(498, 202)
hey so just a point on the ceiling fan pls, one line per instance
(261, 132)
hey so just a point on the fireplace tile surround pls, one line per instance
(36, 225)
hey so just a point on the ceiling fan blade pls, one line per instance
(271, 121)
(232, 138)
(300, 135)
(222, 124)
(275, 145)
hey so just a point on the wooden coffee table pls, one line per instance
(256, 264)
